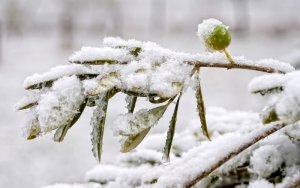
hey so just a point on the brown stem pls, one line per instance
(238, 150)
(234, 66)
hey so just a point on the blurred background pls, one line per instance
(36, 35)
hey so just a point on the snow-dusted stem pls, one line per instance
(273, 128)
(234, 66)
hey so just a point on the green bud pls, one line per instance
(214, 34)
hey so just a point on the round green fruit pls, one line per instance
(218, 39)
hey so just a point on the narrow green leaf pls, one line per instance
(34, 130)
(201, 107)
(269, 115)
(98, 123)
(171, 132)
(49, 83)
(131, 101)
(134, 140)
(97, 62)
(136, 51)
(27, 105)
(61, 132)
(143, 122)
(269, 90)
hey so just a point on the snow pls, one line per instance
(60, 104)
(266, 160)
(107, 173)
(141, 156)
(30, 98)
(288, 105)
(118, 42)
(189, 144)
(87, 54)
(206, 27)
(266, 82)
(90, 185)
(182, 170)
(57, 72)
(261, 184)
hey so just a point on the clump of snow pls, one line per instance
(57, 72)
(266, 160)
(102, 54)
(60, 104)
(32, 127)
(106, 174)
(29, 98)
(266, 82)
(173, 76)
(206, 27)
(135, 76)
(130, 124)
(275, 64)
(76, 185)
(288, 106)
(262, 183)
(141, 156)
(102, 83)
(118, 42)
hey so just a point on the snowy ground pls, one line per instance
(40, 162)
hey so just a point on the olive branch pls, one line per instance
(57, 98)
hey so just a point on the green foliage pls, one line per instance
(98, 123)
(171, 131)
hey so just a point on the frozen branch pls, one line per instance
(196, 165)
(235, 66)
(243, 146)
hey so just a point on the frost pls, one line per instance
(94, 54)
(60, 104)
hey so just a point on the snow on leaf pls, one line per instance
(98, 123)
(105, 83)
(100, 56)
(265, 84)
(32, 128)
(182, 171)
(61, 132)
(131, 101)
(38, 81)
(131, 124)
(140, 157)
(288, 105)
(60, 104)
(27, 102)
(132, 128)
